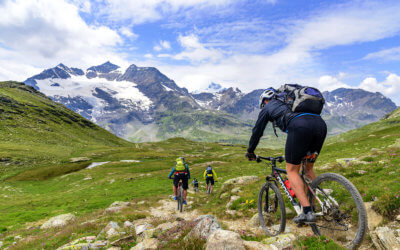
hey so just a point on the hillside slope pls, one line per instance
(36, 131)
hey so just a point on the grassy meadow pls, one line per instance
(38, 179)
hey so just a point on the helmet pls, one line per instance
(266, 95)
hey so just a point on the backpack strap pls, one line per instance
(274, 127)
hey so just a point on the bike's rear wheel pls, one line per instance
(342, 215)
(271, 209)
(181, 199)
(209, 189)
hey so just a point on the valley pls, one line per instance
(47, 148)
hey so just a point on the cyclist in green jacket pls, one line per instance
(180, 172)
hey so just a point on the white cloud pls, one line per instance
(128, 32)
(295, 61)
(196, 52)
(40, 33)
(392, 54)
(389, 87)
(163, 45)
(330, 83)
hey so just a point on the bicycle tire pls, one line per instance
(359, 205)
(209, 189)
(278, 203)
(181, 199)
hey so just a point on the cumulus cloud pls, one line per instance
(45, 32)
(330, 83)
(389, 87)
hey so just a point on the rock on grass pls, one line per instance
(58, 221)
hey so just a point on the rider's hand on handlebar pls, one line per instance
(251, 156)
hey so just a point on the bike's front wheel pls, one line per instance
(271, 209)
(339, 209)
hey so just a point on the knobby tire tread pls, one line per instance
(362, 213)
(281, 204)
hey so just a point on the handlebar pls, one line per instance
(273, 159)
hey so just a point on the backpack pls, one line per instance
(301, 99)
(179, 165)
(209, 171)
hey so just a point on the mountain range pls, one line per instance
(143, 104)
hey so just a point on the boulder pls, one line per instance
(255, 245)
(128, 224)
(146, 244)
(345, 161)
(166, 226)
(87, 242)
(79, 159)
(243, 180)
(117, 206)
(236, 190)
(281, 241)
(140, 228)
(385, 238)
(58, 221)
(254, 221)
(225, 240)
(206, 225)
(233, 198)
(398, 217)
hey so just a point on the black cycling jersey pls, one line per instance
(274, 110)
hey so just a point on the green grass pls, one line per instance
(37, 180)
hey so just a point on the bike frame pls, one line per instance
(276, 175)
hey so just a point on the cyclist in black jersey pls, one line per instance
(305, 133)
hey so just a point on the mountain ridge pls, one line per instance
(131, 102)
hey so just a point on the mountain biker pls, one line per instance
(195, 184)
(210, 176)
(306, 132)
(180, 172)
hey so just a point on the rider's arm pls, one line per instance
(258, 129)
(187, 168)
(172, 172)
(204, 175)
(215, 175)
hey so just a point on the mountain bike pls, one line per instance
(338, 206)
(179, 199)
(209, 189)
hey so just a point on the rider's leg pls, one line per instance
(310, 171)
(297, 183)
(184, 194)
(175, 191)
(212, 188)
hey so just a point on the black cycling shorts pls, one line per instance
(196, 185)
(184, 178)
(210, 179)
(305, 134)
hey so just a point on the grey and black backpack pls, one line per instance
(299, 99)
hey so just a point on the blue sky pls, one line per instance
(239, 43)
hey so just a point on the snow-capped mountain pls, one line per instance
(111, 97)
(142, 104)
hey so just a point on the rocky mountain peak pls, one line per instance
(104, 68)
